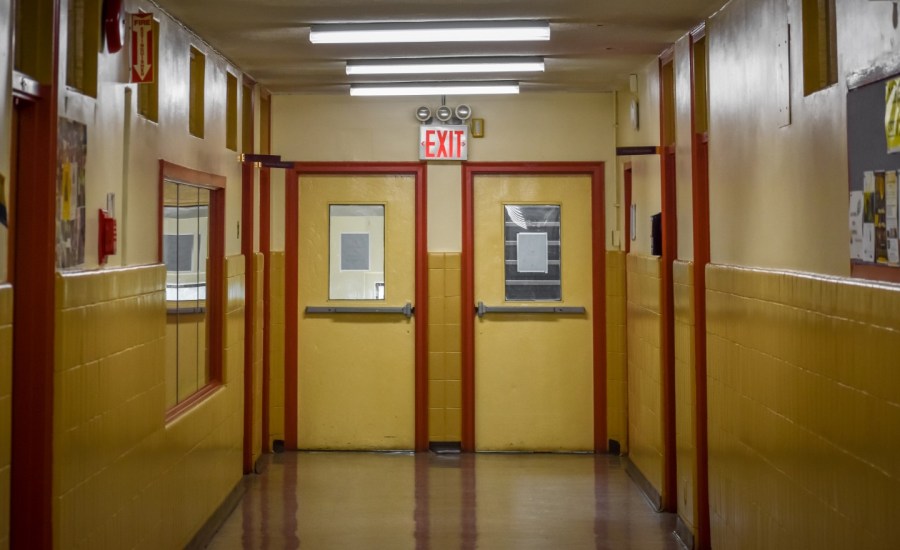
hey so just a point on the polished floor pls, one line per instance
(431, 501)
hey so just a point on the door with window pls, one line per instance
(536, 380)
(357, 329)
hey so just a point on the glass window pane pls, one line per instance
(532, 252)
(356, 255)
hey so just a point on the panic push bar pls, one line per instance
(406, 310)
(482, 309)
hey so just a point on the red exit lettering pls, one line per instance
(443, 144)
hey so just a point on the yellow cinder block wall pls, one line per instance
(616, 372)
(444, 357)
(644, 326)
(276, 348)
(804, 410)
(6, 320)
(685, 391)
(124, 478)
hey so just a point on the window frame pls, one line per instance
(215, 277)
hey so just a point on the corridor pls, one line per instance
(437, 501)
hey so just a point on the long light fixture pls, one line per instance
(472, 31)
(446, 65)
(434, 88)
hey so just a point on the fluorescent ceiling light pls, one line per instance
(475, 31)
(434, 88)
(446, 65)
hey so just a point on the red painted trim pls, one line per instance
(419, 172)
(421, 366)
(598, 262)
(31, 485)
(247, 237)
(192, 400)
(467, 315)
(700, 200)
(874, 272)
(598, 219)
(265, 247)
(667, 299)
(291, 305)
(216, 301)
(626, 176)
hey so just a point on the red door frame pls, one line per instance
(598, 230)
(292, 271)
(248, 180)
(700, 199)
(31, 486)
(626, 183)
(667, 298)
(265, 248)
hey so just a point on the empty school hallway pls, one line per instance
(475, 274)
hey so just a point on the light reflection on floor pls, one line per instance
(430, 501)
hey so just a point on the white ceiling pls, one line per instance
(594, 44)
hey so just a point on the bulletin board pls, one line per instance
(873, 143)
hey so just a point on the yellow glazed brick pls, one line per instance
(435, 282)
(453, 366)
(436, 310)
(436, 338)
(452, 260)
(436, 391)
(453, 424)
(453, 337)
(437, 427)
(452, 310)
(452, 283)
(435, 260)
(436, 365)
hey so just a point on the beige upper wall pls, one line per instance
(124, 148)
(645, 169)
(528, 127)
(778, 196)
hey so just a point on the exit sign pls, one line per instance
(443, 142)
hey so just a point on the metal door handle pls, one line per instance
(406, 310)
(482, 309)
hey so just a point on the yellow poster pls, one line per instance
(892, 115)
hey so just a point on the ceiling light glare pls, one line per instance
(446, 65)
(476, 31)
(429, 89)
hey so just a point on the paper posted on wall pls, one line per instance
(891, 217)
(856, 225)
(892, 115)
(868, 246)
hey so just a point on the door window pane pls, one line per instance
(532, 252)
(356, 255)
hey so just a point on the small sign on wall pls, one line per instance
(443, 142)
(143, 65)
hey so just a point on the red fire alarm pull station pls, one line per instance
(107, 244)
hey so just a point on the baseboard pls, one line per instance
(646, 487)
(684, 533)
(204, 536)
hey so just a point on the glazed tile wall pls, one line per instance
(616, 372)
(276, 348)
(444, 357)
(804, 411)
(124, 478)
(686, 454)
(644, 327)
(6, 319)
(259, 266)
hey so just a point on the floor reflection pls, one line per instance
(437, 501)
